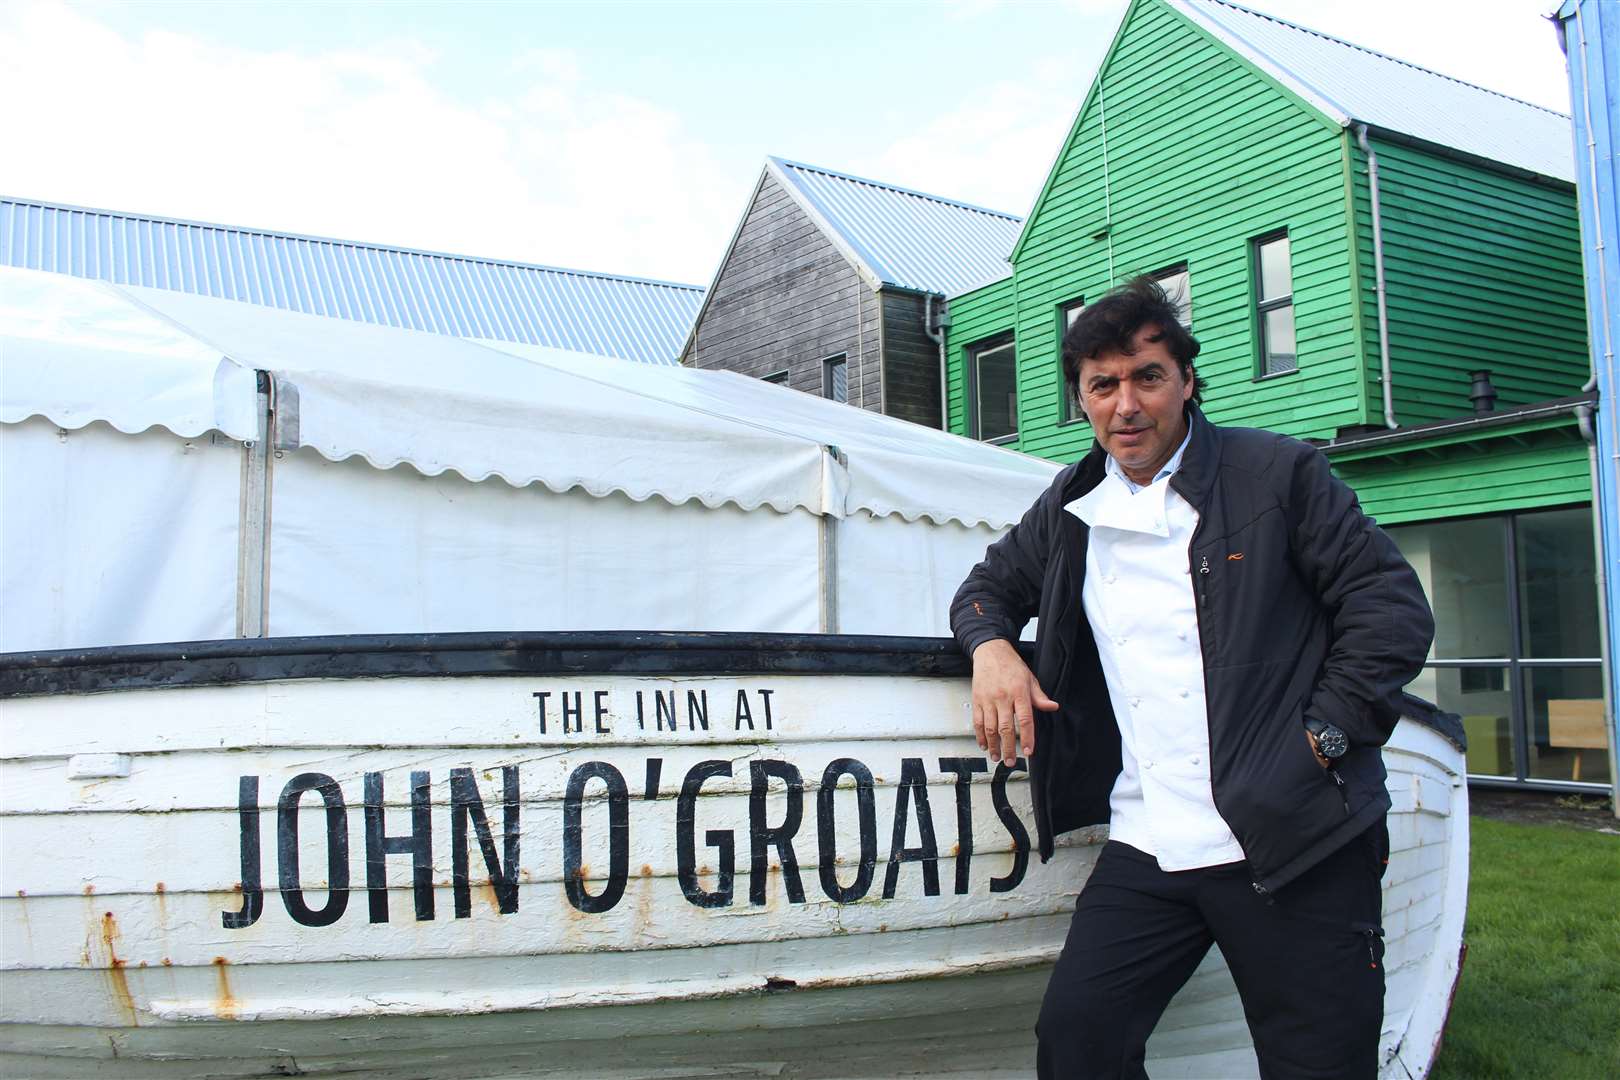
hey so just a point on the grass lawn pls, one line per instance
(1540, 992)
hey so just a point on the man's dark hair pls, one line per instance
(1109, 324)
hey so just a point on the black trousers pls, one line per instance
(1308, 963)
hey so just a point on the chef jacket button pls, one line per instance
(1194, 759)
(1147, 764)
(1184, 692)
(1109, 580)
(1136, 702)
(1182, 634)
(1119, 641)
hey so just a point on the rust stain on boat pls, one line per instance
(22, 908)
(642, 923)
(160, 891)
(227, 1007)
(115, 969)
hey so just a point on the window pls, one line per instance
(1274, 305)
(1516, 646)
(993, 369)
(780, 378)
(835, 379)
(1177, 285)
(1068, 409)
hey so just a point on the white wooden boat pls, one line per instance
(572, 855)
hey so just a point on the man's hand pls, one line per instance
(1320, 760)
(1005, 697)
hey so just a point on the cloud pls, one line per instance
(358, 144)
(994, 149)
(961, 10)
(958, 10)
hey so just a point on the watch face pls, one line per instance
(1332, 742)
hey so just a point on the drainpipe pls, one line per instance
(937, 336)
(1378, 271)
(1583, 416)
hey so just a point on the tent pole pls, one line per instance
(827, 526)
(252, 548)
(833, 461)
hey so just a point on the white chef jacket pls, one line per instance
(1138, 596)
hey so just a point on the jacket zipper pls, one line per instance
(1201, 592)
(1344, 796)
(1372, 934)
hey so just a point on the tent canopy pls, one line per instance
(76, 352)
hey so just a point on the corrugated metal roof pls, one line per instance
(630, 318)
(1350, 83)
(905, 238)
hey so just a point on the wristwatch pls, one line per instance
(1331, 742)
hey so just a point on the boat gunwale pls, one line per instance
(576, 652)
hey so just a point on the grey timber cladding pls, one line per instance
(624, 317)
(786, 299)
(910, 360)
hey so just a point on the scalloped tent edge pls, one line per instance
(676, 425)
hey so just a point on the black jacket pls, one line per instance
(1305, 608)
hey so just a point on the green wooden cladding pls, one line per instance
(1204, 153)
(1543, 466)
(1483, 271)
(975, 316)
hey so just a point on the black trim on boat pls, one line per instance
(350, 656)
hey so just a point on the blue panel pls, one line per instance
(1591, 33)
(629, 318)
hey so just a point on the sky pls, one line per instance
(614, 136)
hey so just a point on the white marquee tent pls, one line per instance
(175, 467)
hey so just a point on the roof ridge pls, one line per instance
(394, 248)
(1382, 55)
(958, 203)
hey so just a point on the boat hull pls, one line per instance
(598, 855)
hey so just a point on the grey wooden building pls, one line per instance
(833, 285)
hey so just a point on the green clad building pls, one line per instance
(1374, 257)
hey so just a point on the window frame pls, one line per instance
(972, 351)
(1262, 307)
(1516, 664)
(775, 378)
(1182, 267)
(1069, 410)
(828, 363)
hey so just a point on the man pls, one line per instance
(1223, 638)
